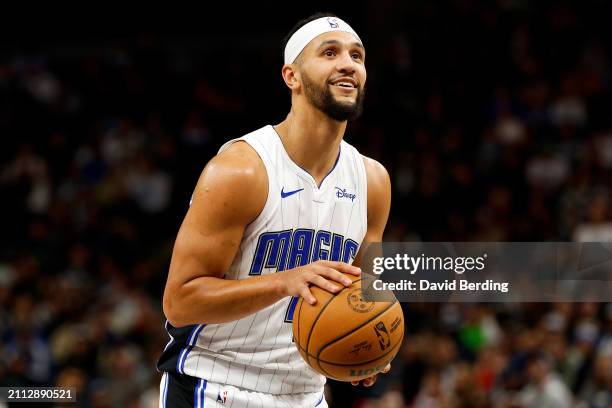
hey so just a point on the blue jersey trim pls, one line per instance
(180, 364)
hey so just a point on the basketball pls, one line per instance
(344, 337)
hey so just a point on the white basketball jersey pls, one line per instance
(300, 223)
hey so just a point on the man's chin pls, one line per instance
(346, 102)
(342, 112)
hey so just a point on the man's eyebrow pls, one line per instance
(336, 42)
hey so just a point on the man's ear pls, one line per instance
(291, 76)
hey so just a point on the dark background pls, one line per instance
(493, 119)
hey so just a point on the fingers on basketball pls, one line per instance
(344, 268)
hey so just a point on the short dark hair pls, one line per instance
(302, 23)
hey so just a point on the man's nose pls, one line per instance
(346, 63)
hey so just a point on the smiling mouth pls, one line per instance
(344, 85)
(344, 89)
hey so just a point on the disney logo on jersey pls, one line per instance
(343, 194)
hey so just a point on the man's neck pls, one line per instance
(312, 140)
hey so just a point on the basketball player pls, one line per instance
(276, 211)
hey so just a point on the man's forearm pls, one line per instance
(217, 300)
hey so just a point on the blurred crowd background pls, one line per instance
(493, 118)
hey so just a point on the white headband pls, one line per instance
(309, 31)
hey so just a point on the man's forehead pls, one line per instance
(337, 37)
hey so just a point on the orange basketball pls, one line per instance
(344, 337)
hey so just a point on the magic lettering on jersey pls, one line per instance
(288, 249)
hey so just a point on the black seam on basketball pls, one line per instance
(366, 362)
(312, 326)
(369, 361)
(352, 331)
(327, 373)
(355, 329)
(354, 364)
(314, 323)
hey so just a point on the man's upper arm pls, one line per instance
(379, 203)
(230, 193)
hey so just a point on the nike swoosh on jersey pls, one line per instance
(288, 193)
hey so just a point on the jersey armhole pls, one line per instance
(364, 186)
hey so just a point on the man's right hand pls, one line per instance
(297, 281)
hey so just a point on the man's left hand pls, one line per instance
(368, 382)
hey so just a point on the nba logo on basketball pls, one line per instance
(333, 23)
(383, 335)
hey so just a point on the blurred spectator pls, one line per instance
(544, 389)
(598, 225)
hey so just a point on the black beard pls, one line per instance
(322, 99)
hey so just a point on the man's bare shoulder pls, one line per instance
(379, 193)
(235, 180)
(239, 159)
(376, 173)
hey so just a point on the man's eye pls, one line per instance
(357, 55)
(329, 53)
